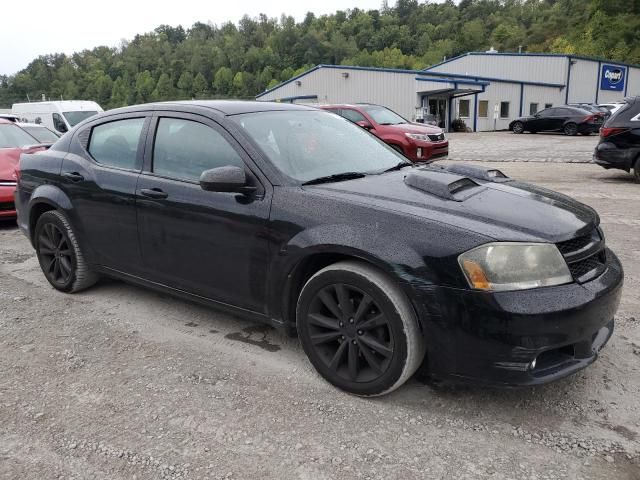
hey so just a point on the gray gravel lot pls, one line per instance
(119, 382)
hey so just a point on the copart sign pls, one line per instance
(612, 77)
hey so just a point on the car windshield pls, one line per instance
(306, 145)
(12, 136)
(75, 118)
(383, 116)
(42, 134)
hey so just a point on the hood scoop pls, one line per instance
(471, 171)
(443, 184)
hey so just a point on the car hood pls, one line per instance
(416, 128)
(506, 211)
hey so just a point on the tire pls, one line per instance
(518, 127)
(59, 254)
(586, 134)
(370, 347)
(636, 170)
(570, 129)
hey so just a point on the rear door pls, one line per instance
(100, 175)
(210, 244)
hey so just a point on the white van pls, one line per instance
(59, 116)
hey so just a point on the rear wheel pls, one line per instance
(636, 170)
(59, 254)
(518, 127)
(570, 129)
(358, 329)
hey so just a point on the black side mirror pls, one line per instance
(230, 179)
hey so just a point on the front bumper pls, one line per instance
(7, 202)
(493, 338)
(427, 151)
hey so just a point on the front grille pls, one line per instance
(585, 255)
(437, 138)
(7, 206)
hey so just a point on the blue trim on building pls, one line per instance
(449, 113)
(472, 78)
(475, 112)
(566, 93)
(598, 81)
(521, 97)
(626, 83)
(299, 97)
(515, 54)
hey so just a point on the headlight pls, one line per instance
(418, 136)
(514, 266)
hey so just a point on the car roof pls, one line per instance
(226, 107)
(29, 124)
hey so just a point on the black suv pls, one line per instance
(619, 145)
(299, 218)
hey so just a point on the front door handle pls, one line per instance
(154, 193)
(73, 176)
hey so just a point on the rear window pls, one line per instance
(12, 136)
(41, 134)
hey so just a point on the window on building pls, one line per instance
(116, 143)
(548, 105)
(533, 108)
(184, 149)
(483, 108)
(504, 109)
(463, 109)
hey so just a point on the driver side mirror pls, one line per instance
(364, 124)
(229, 179)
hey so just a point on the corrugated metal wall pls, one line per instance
(394, 90)
(509, 67)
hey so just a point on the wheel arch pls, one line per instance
(43, 199)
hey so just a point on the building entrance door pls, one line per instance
(438, 107)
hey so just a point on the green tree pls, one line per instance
(223, 81)
(199, 86)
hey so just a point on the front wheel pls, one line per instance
(59, 254)
(570, 129)
(518, 127)
(358, 329)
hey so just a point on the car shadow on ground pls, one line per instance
(616, 176)
(6, 225)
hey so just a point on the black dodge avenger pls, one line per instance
(300, 219)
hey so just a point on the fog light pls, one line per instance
(419, 152)
(532, 365)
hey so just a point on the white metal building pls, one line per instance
(486, 90)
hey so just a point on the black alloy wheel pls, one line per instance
(350, 333)
(56, 255)
(518, 127)
(359, 329)
(571, 129)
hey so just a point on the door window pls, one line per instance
(353, 116)
(483, 108)
(116, 143)
(184, 149)
(58, 123)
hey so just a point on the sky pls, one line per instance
(45, 27)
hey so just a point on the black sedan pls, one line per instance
(300, 219)
(565, 119)
(619, 145)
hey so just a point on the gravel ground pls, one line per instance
(119, 383)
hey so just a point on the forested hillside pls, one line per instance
(240, 60)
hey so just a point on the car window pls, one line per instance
(562, 112)
(11, 136)
(184, 149)
(58, 123)
(116, 143)
(353, 115)
(42, 134)
(547, 112)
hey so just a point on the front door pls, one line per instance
(210, 244)
(438, 107)
(100, 180)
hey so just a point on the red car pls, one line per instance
(416, 141)
(13, 142)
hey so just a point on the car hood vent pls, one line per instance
(442, 184)
(471, 171)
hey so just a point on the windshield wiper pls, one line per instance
(336, 177)
(398, 167)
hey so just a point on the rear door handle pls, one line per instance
(73, 176)
(154, 193)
